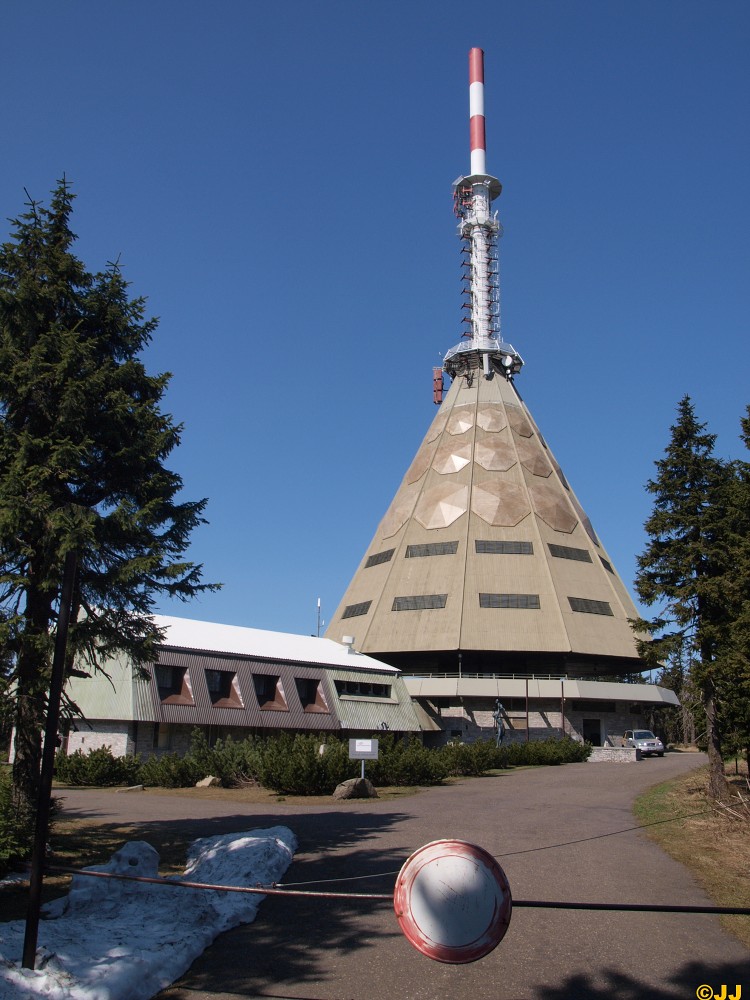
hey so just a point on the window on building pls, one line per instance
(607, 565)
(568, 552)
(589, 607)
(355, 610)
(173, 684)
(162, 736)
(420, 602)
(364, 688)
(379, 557)
(524, 601)
(431, 549)
(507, 548)
(270, 693)
(311, 694)
(223, 689)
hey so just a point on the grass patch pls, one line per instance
(712, 844)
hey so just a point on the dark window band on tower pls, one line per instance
(420, 602)
(607, 565)
(589, 607)
(432, 549)
(379, 557)
(568, 552)
(355, 610)
(523, 601)
(511, 548)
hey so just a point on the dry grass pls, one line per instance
(711, 842)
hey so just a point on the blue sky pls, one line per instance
(276, 180)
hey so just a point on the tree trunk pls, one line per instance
(32, 682)
(29, 721)
(717, 782)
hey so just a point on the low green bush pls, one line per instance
(309, 764)
(303, 764)
(404, 762)
(98, 767)
(555, 750)
(169, 771)
(471, 758)
(233, 762)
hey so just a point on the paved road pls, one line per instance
(559, 833)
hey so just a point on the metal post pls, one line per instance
(562, 705)
(527, 709)
(48, 763)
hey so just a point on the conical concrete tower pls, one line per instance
(485, 560)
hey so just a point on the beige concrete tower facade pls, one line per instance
(485, 559)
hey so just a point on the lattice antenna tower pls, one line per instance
(482, 348)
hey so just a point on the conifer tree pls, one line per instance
(685, 567)
(733, 682)
(82, 448)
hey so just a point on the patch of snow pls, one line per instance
(118, 940)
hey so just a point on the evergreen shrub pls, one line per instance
(295, 765)
(555, 750)
(471, 758)
(169, 771)
(233, 762)
(98, 767)
(405, 762)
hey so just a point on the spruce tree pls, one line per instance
(83, 443)
(733, 681)
(685, 566)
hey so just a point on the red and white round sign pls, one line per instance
(453, 901)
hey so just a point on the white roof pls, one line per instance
(212, 637)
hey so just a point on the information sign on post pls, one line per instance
(363, 750)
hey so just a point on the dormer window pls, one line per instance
(173, 684)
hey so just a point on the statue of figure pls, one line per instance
(497, 715)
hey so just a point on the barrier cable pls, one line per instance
(278, 890)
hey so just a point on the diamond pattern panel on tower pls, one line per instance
(442, 505)
(518, 421)
(494, 454)
(438, 426)
(461, 419)
(452, 456)
(491, 417)
(499, 503)
(552, 507)
(532, 457)
(400, 511)
(421, 463)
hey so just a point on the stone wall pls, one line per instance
(93, 735)
(614, 755)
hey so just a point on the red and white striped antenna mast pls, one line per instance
(479, 230)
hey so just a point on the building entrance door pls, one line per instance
(592, 732)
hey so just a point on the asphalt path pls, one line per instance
(560, 833)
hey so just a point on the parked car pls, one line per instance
(645, 741)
